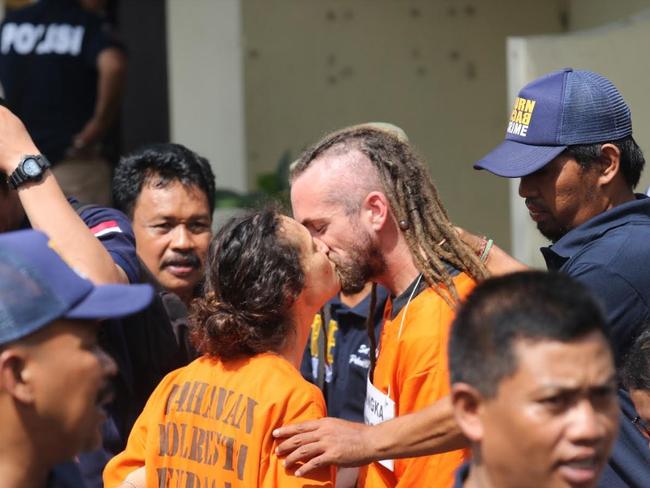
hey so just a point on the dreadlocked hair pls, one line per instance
(414, 202)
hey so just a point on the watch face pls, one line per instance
(31, 167)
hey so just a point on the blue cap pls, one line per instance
(559, 109)
(38, 287)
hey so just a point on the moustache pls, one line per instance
(531, 202)
(189, 259)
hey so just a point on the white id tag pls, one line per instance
(378, 408)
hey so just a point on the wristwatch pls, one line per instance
(30, 168)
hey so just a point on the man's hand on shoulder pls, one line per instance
(324, 442)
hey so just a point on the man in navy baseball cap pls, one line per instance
(54, 378)
(559, 110)
(569, 139)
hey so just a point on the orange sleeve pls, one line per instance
(305, 403)
(133, 456)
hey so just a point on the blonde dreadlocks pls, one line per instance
(414, 202)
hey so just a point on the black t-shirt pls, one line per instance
(48, 58)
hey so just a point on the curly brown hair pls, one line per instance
(253, 277)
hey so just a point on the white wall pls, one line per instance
(206, 99)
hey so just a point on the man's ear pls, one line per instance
(468, 403)
(15, 376)
(375, 209)
(610, 163)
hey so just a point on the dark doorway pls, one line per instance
(145, 112)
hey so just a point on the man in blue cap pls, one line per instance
(569, 139)
(54, 378)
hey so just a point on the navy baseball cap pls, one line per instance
(559, 109)
(38, 287)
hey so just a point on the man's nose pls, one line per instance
(526, 186)
(181, 238)
(587, 424)
(321, 246)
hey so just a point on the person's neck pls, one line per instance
(400, 269)
(303, 316)
(480, 477)
(620, 197)
(21, 463)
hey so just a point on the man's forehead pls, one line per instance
(309, 202)
(563, 362)
(335, 170)
(165, 198)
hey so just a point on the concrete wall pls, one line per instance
(437, 68)
(206, 100)
(585, 14)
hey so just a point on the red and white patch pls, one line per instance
(105, 228)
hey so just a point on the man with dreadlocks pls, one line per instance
(366, 195)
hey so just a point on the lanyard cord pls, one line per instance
(406, 307)
(408, 302)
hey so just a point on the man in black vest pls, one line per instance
(63, 75)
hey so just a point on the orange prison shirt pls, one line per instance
(416, 368)
(209, 424)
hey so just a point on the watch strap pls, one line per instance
(18, 177)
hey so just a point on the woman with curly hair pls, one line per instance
(209, 424)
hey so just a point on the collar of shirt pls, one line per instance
(625, 402)
(573, 241)
(399, 302)
(461, 475)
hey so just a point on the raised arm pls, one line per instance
(48, 210)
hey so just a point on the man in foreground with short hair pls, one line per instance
(54, 378)
(533, 383)
(168, 192)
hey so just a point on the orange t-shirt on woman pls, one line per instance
(210, 423)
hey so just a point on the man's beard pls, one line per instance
(363, 263)
(553, 234)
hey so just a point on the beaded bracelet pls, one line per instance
(486, 250)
